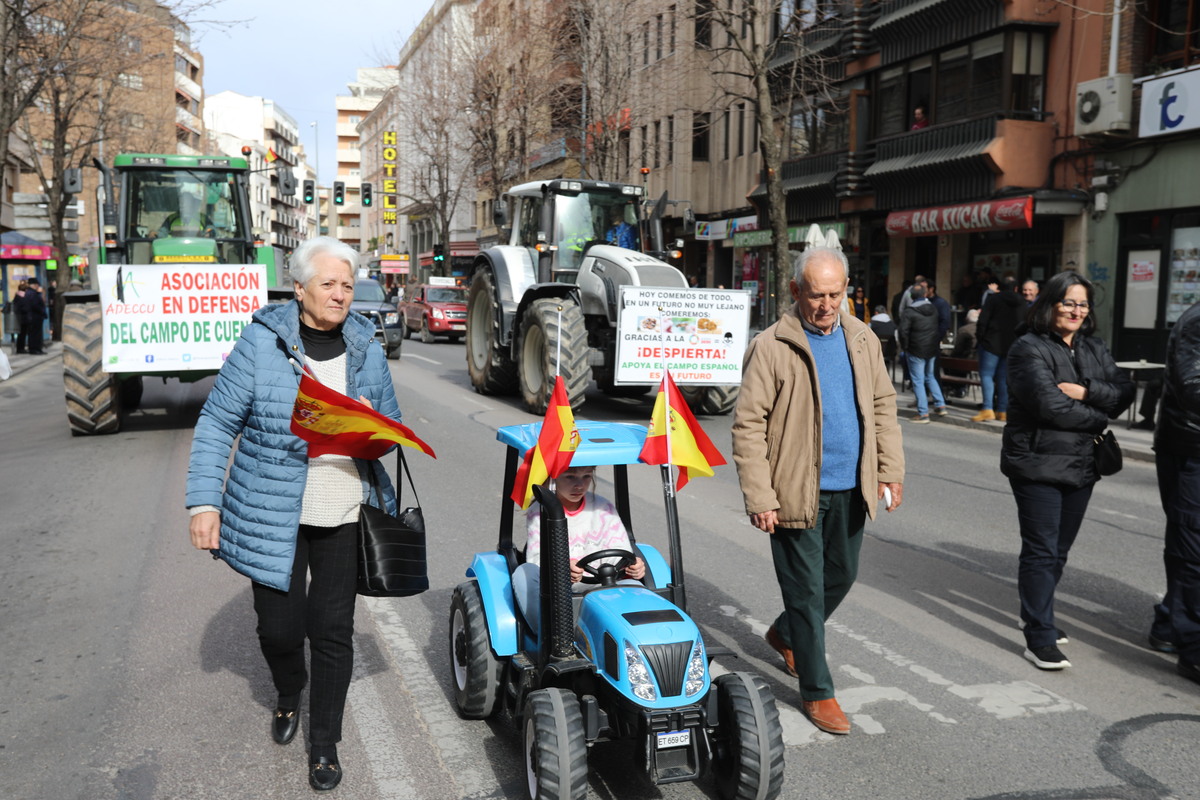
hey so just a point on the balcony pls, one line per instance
(906, 28)
(188, 86)
(809, 186)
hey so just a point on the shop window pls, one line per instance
(1174, 33)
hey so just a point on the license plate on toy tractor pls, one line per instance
(674, 739)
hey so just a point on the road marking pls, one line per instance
(455, 740)
(393, 780)
(1118, 513)
(423, 358)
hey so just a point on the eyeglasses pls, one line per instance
(1071, 305)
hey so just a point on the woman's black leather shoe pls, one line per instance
(324, 774)
(284, 725)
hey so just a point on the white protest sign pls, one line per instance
(175, 317)
(701, 333)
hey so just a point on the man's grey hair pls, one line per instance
(301, 266)
(819, 252)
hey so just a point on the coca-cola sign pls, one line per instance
(992, 215)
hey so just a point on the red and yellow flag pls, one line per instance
(691, 449)
(555, 445)
(271, 155)
(333, 423)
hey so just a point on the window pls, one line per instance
(671, 28)
(645, 43)
(954, 76)
(658, 38)
(891, 102)
(1174, 35)
(133, 44)
(644, 152)
(704, 23)
(131, 120)
(670, 140)
(657, 147)
(701, 125)
(624, 166)
(987, 74)
(45, 26)
(1029, 72)
(354, 119)
(130, 80)
(741, 129)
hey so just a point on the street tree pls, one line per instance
(758, 53)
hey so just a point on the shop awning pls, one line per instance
(20, 247)
(928, 158)
(1011, 213)
(814, 181)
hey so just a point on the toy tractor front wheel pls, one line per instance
(748, 747)
(477, 673)
(555, 750)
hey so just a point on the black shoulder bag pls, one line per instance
(1108, 453)
(391, 550)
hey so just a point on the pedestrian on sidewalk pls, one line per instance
(22, 317)
(1002, 312)
(817, 445)
(1063, 389)
(921, 344)
(1177, 458)
(282, 515)
(35, 314)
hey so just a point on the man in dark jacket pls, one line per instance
(1177, 457)
(995, 333)
(35, 313)
(921, 344)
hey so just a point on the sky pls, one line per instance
(301, 54)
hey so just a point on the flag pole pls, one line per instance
(662, 335)
(558, 344)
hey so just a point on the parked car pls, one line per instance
(435, 311)
(371, 301)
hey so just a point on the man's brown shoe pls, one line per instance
(775, 640)
(827, 715)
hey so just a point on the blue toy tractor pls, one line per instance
(617, 662)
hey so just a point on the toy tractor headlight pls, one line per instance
(694, 681)
(639, 676)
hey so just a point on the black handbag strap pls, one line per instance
(401, 465)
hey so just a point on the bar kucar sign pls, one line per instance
(170, 317)
(699, 334)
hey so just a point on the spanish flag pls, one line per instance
(271, 155)
(691, 449)
(555, 445)
(333, 423)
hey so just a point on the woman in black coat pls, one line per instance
(1063, 387)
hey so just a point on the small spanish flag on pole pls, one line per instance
(333, 423)
(681, 441)
(271, 155)
(555, 446)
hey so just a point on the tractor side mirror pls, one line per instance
(72, 180)
(500, 216)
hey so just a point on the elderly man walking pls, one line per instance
(817, 444)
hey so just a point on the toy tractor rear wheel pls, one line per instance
(491, 369)
(545, 337)
(476, 671)
(93, 398)
(714, 401)
(554, 746)
(748, 746)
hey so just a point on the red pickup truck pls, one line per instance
(435, 311)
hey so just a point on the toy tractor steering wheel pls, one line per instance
(605, 574)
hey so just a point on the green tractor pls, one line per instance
(162, 301)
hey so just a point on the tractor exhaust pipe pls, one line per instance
(557, 616)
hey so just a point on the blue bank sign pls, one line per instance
(1170, 104)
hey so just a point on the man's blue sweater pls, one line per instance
(841, 439)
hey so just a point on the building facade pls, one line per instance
(365, 93)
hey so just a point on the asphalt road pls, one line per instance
(130, 670)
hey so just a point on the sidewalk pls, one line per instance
(1135, 444)
(20, 362)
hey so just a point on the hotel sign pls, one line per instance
(389, 178)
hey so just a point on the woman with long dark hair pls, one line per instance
(1063, 387)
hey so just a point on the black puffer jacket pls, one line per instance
(998, 321)
(1049, 437)
(1178, 429)
(919, 330)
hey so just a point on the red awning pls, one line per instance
(1010, 214)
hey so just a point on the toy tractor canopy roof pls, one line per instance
(600, 443)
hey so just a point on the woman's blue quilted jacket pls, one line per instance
(253, 396)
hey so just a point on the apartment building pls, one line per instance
(345, 220)
(236, 121)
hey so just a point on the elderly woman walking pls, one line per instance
(282, 517)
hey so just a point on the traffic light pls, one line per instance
(310, 191)
(366, 194)
(439, 254)
(339, 193)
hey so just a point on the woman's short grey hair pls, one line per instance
(826, 252)
(301, 265)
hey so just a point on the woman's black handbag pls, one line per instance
(391, 550)
(1108, 454)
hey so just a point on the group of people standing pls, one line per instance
(28, 306)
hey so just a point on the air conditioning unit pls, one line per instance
(1104, 106)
